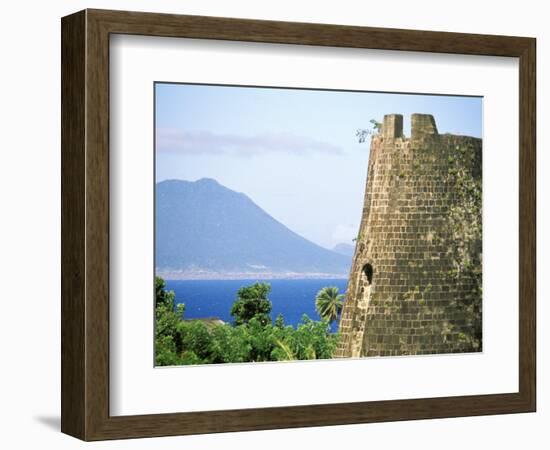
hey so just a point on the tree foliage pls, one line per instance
(162, 296)
(329, 303)
(363, 133)
(253, 338)
(252, 303)
(167, 318)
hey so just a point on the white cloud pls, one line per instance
(207, 142)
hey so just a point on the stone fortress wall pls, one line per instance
(400, 298)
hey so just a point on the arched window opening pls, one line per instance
(368, 271)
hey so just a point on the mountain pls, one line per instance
(344, 249)
(205, 228)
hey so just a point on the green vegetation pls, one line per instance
(466, 227)
(252, 337)
(329, 303)
(363, 133)
(252, 303)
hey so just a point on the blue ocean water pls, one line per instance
(214, 298)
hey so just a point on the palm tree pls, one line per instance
(329, 303)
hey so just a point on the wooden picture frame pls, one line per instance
(85, 224)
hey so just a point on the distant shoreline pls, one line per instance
(189, 276)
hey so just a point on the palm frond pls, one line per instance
(286, 349)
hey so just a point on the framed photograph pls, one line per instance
(272, 225)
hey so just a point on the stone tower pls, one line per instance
(415, 281)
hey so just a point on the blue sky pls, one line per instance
(292, 151)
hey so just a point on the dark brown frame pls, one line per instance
(85, 224)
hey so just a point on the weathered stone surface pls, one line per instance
(392, 126)
(399, 299)
(422, 125)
